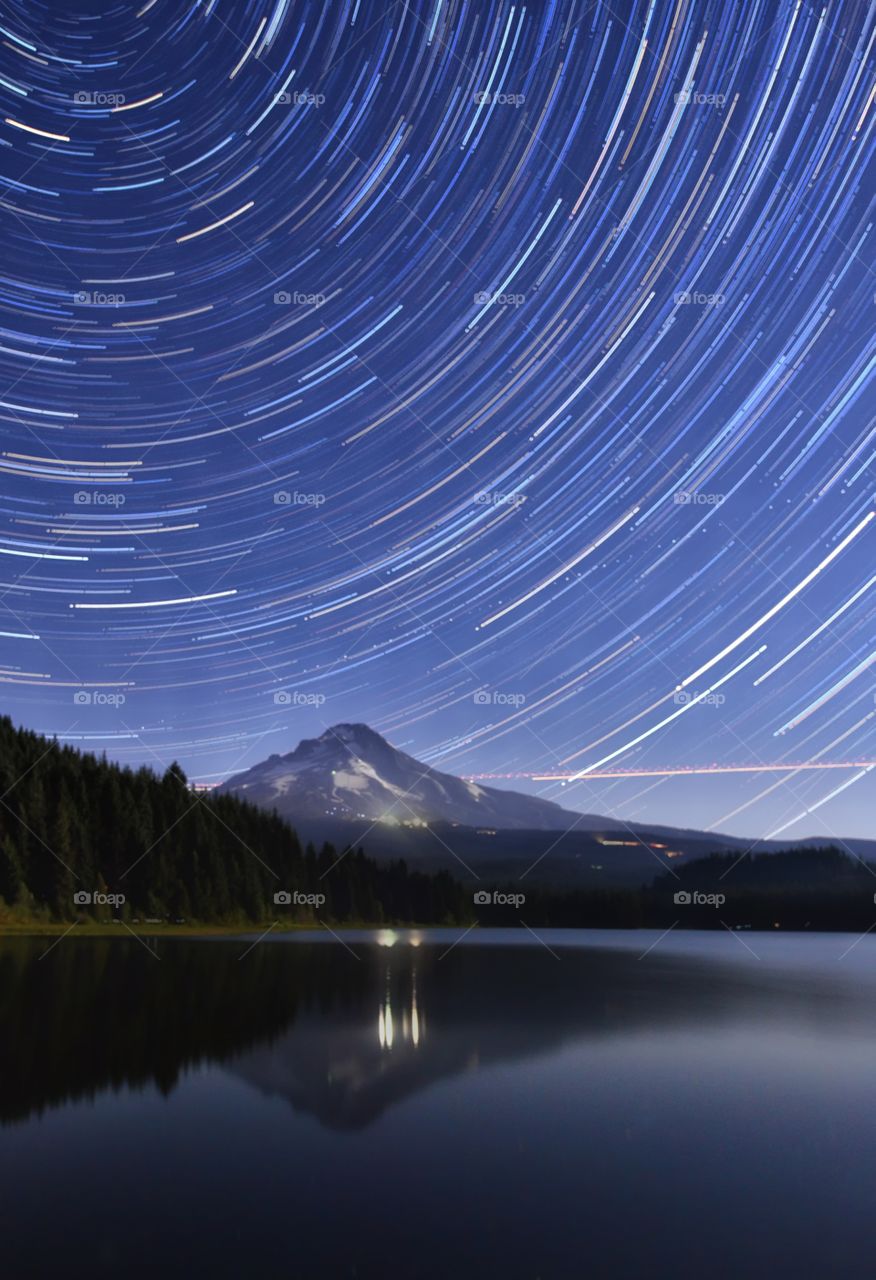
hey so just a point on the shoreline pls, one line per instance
(105, 929)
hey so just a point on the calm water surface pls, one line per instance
(511, 1107)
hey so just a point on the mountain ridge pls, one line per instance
(351, 779)
(351, 771)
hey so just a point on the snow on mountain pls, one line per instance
(336, 786)
(353, 772)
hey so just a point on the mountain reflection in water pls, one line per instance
(343, 1034)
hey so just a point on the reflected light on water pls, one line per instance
(384, 1026)
(412, 1022)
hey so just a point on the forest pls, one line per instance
(83, 837)
(818, 888)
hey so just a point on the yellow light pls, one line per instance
(40, 133)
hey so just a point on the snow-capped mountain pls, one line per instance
(353, 772)
(339, 787)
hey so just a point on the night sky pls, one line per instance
(494, 375)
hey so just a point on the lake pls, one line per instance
(420, 1105)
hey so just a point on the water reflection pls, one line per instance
(410, 1015)
(488, 1110)
(342, 1037)
(97, 1014)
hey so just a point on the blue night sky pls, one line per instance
(496, 375)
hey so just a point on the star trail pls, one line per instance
(498, 375)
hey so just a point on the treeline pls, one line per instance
(73, 824)
(149, 848)
(817, 888)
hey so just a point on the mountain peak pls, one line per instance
(355, 732)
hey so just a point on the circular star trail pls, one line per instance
(494, 374)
